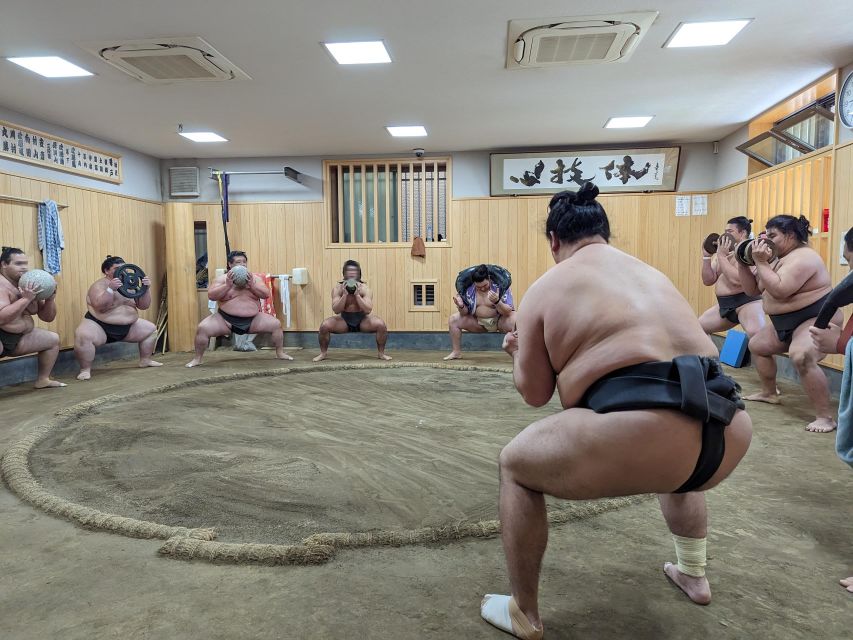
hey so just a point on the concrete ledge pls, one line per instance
(25, 368)
(789, 372)
(414, 340)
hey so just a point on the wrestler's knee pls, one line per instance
(512, 459)
(759, 347)
(802, 358)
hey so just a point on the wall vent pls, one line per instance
(183, 182)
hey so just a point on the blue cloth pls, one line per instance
(471, 297)
(844, 436)
(51, 241)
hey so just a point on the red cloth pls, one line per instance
(266, 305)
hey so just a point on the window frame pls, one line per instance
(332, 225)
(424, 282)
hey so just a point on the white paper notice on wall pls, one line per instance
(841, 259)
(700, 205)
(682, 205)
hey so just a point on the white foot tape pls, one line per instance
(503, 613)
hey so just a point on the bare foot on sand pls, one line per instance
(281, 355)
(847, 583)
(193, 363)
(149, 363)
(697, 589)
(85, 374)
(822, 425)
(382, 356)
(48, 384)
(763, 397)
(454, 355)
(320, 358)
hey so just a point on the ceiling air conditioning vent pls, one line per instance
(579, 40)
(183, 182)
(167, 60)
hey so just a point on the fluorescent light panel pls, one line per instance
(203, 136)
(51, 67)
(358, 52)
(629, 122)
(407, 132)
(705, 34)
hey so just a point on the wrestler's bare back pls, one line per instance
(601, 310)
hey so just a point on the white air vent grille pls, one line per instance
(558, 49)
(183, 182)
(166, 60)
(570, 41)
(169, 67)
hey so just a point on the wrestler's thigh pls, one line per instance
(371, 324)
(335, 324)
(765, 342)
(264, 323)
(579, 454)
(469, 323)
(752, 317)
(802, 346)
(213, 325)
(140, 330)
(712, 322)
(35, 341)
(506, 323)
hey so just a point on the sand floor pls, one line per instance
(780, 527)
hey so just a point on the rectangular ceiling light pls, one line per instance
(203, 136)
(705, 34)
(630, 122)
(407, 132)
(358, 52)
(51, 67)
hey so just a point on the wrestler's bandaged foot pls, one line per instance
(689, 574)
(503, 613)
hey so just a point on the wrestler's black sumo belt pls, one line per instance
(131, 281)
(497, 274)
(839, 297)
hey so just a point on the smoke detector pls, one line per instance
(578, 40)
(167, 60)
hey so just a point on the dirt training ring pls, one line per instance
(191, 543)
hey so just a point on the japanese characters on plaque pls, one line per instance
(615, 170)
(37, 147)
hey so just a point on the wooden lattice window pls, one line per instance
(386, 201)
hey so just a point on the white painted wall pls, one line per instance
(470, 175)
(731, 164)
(141, 172)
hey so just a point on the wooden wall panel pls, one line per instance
(94, 224)
(799, 188)
(508, 231)
(180, 271)
(840, 221)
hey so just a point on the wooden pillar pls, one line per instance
(180, 276)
